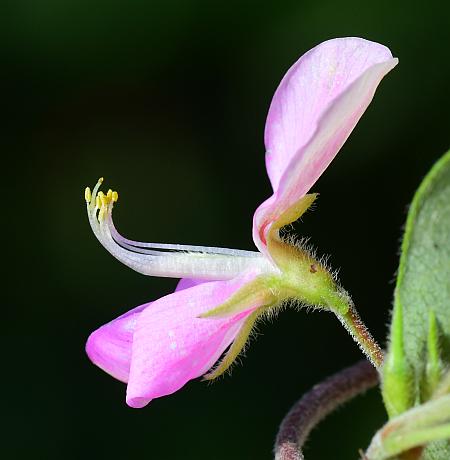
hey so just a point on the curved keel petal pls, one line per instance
(172, 345)
(109, 347)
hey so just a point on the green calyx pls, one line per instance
(300, 280)
(303, 280)
(307, 281)
(302, 277)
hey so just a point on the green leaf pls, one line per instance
(422, 298)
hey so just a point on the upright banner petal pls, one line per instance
(313, 111)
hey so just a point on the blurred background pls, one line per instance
(167, 101)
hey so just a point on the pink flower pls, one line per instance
(158, 347)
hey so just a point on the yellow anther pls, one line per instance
(103, 198)
(87, 194)
(101, 213)
(102, 201)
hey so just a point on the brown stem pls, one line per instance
(315, 405)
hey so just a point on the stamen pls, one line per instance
(87, 194)
(94, 192)
(172, 260)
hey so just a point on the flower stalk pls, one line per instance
(361, 335)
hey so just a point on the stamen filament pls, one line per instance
(136, 245)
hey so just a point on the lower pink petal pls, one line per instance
(172, 345)
(186, 283)
(109, 347)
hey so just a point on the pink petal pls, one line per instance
(172, 345)
(186, 283)
(109, 347)
(313, 111)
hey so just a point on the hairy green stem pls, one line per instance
(361, 335)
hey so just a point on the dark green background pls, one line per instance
(167, 101)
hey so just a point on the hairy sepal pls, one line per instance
(235, 349)
(301, 277)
